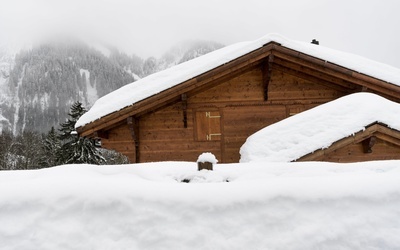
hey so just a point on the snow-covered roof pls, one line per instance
(163, 80)
(320, 127)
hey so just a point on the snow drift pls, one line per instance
(237, 206)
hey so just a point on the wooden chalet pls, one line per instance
(214, 109)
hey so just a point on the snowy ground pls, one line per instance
(237, 206)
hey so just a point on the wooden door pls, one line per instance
(208, 126)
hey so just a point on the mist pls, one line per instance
(150, 27)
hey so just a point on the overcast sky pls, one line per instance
(369, 28)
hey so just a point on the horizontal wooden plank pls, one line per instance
(391, 132)
(174, 147)
(388, 138)
(244, 87)
(120, 147)
(167, 135)
(175, 156)
(284, 86)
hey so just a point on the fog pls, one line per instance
(150, 27)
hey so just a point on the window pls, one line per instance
(208, 126)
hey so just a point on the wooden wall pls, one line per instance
(120, 140)
(242, 109)
(382, 150)
(163, 137)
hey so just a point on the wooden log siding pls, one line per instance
(163, 136)
(120, 140)
(240, 123)
(284, 87)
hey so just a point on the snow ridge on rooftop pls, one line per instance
(163, 80)
(319, 128)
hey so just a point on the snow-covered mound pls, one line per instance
(319, 127)
(163, 80)
(237, 206)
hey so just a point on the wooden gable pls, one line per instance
(376, 142)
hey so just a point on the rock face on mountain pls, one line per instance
(38, 86)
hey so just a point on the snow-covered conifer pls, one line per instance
(76, 149)
(51, 148)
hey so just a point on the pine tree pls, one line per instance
(29, 150)
(51, 148)
(76, 111)
(76, 149)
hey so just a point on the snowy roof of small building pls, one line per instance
(166, 79)
(320, 127)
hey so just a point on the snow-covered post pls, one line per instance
(206, 161)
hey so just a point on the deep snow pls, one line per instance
(237, 206)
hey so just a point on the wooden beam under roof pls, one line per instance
(266, 74)
(133, 125)
(184, 109)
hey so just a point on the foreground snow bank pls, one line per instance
(237, 206)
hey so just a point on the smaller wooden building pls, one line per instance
(354, 128)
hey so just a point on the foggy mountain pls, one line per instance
(38, 86)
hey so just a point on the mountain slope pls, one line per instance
(46, 80)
